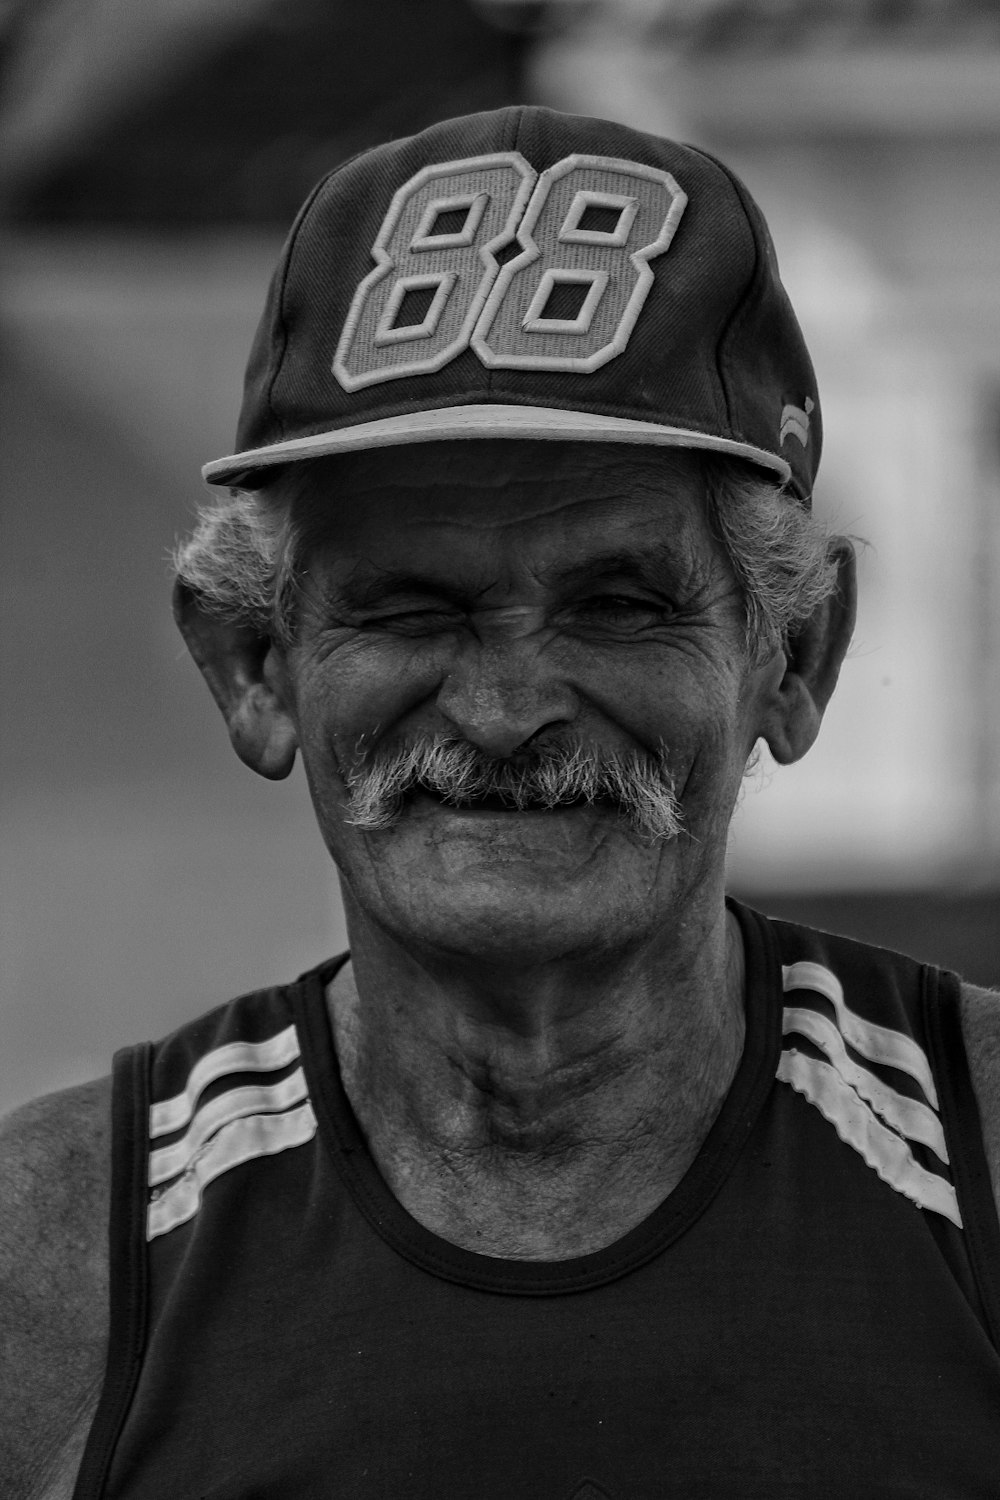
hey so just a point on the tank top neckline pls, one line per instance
(343, 1140)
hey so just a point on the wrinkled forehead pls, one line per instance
(484, 487)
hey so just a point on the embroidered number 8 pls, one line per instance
(609, 264)
(440, 235)
(454, 269)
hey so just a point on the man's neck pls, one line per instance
(539, 1116)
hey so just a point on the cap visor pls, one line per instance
(482, 421)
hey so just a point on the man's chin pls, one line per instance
(506, 886)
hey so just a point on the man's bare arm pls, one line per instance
(54, 1199)
(981, 1029)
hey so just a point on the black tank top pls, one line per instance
(813, 1312)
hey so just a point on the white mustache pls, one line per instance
(639, 784)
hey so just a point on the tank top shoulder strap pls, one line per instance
(127, 1264)
(942, 1016)
(874, 1033)
(172, 1102)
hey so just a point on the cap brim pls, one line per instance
(481, 421)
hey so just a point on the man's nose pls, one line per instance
(499, 696)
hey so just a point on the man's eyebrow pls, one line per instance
(369, 584)
(651, 566)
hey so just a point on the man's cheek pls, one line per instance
(702, 760)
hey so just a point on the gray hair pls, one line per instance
(781, 554)
(245, 559)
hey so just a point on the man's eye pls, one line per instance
(622, 608)
(411, 620)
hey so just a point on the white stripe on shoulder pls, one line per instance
(233, 1105)
(859, 1127)
(235, 1057)
(880, 1044)
(240, 1141)
(911, 1117)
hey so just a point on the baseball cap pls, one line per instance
(524, 273)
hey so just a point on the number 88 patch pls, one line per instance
(587, 227)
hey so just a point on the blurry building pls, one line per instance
(151, 158)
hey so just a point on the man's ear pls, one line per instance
(242, 670)
(813, 655)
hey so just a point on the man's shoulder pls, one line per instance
(55, 1164)
(981, 1022)
(981, 1032)
(55, 1167)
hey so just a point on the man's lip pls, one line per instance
(491, 810)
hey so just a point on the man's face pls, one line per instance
(510, 596)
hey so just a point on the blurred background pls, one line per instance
(152, 155)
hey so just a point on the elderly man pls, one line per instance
(572, 1179)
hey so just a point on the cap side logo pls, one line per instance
(795, 422)
(512, 316)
